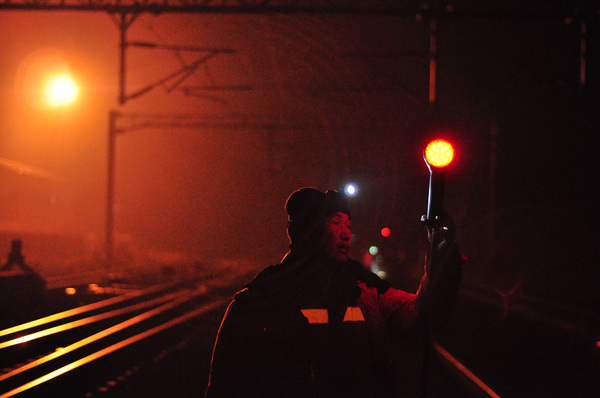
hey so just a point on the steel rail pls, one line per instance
(90, 320)
(86, 308)
(107, 332)
(117, 346)
(472, 381)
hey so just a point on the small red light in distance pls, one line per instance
(439, 153)
(385, 232)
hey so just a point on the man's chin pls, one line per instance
(340, 257)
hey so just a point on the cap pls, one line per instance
(308, 208)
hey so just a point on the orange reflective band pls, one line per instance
(354, 314)
(315, 316)
(321, 316)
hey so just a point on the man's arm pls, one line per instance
(432, 305)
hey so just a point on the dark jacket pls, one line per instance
(309, 327)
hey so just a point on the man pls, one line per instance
(318, 324)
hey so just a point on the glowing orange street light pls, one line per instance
(61, 90)
(438, 154)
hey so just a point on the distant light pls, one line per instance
(61, 90)
(385, 232)
(439, 153)
(350, 190)
(70, 291)
(373, 250)
(95, 289)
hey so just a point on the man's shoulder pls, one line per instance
(266, 284)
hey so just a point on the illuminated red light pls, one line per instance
(439, 153)
(385, 232)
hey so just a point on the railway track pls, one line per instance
(156, 343)
(81, 351)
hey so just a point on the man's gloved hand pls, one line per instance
(442, 235)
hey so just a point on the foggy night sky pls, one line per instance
(352, 93)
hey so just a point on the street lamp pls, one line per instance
(61, 90)
(45, 80)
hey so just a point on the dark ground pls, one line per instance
(515, 355)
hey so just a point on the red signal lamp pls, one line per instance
(438, 154)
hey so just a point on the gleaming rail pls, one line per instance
(67, 346)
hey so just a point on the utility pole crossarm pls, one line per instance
(406, 8)
(383, 7)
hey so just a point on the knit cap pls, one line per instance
(308, 208)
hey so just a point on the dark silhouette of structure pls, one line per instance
(21, 288)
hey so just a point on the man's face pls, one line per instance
(338, 237)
